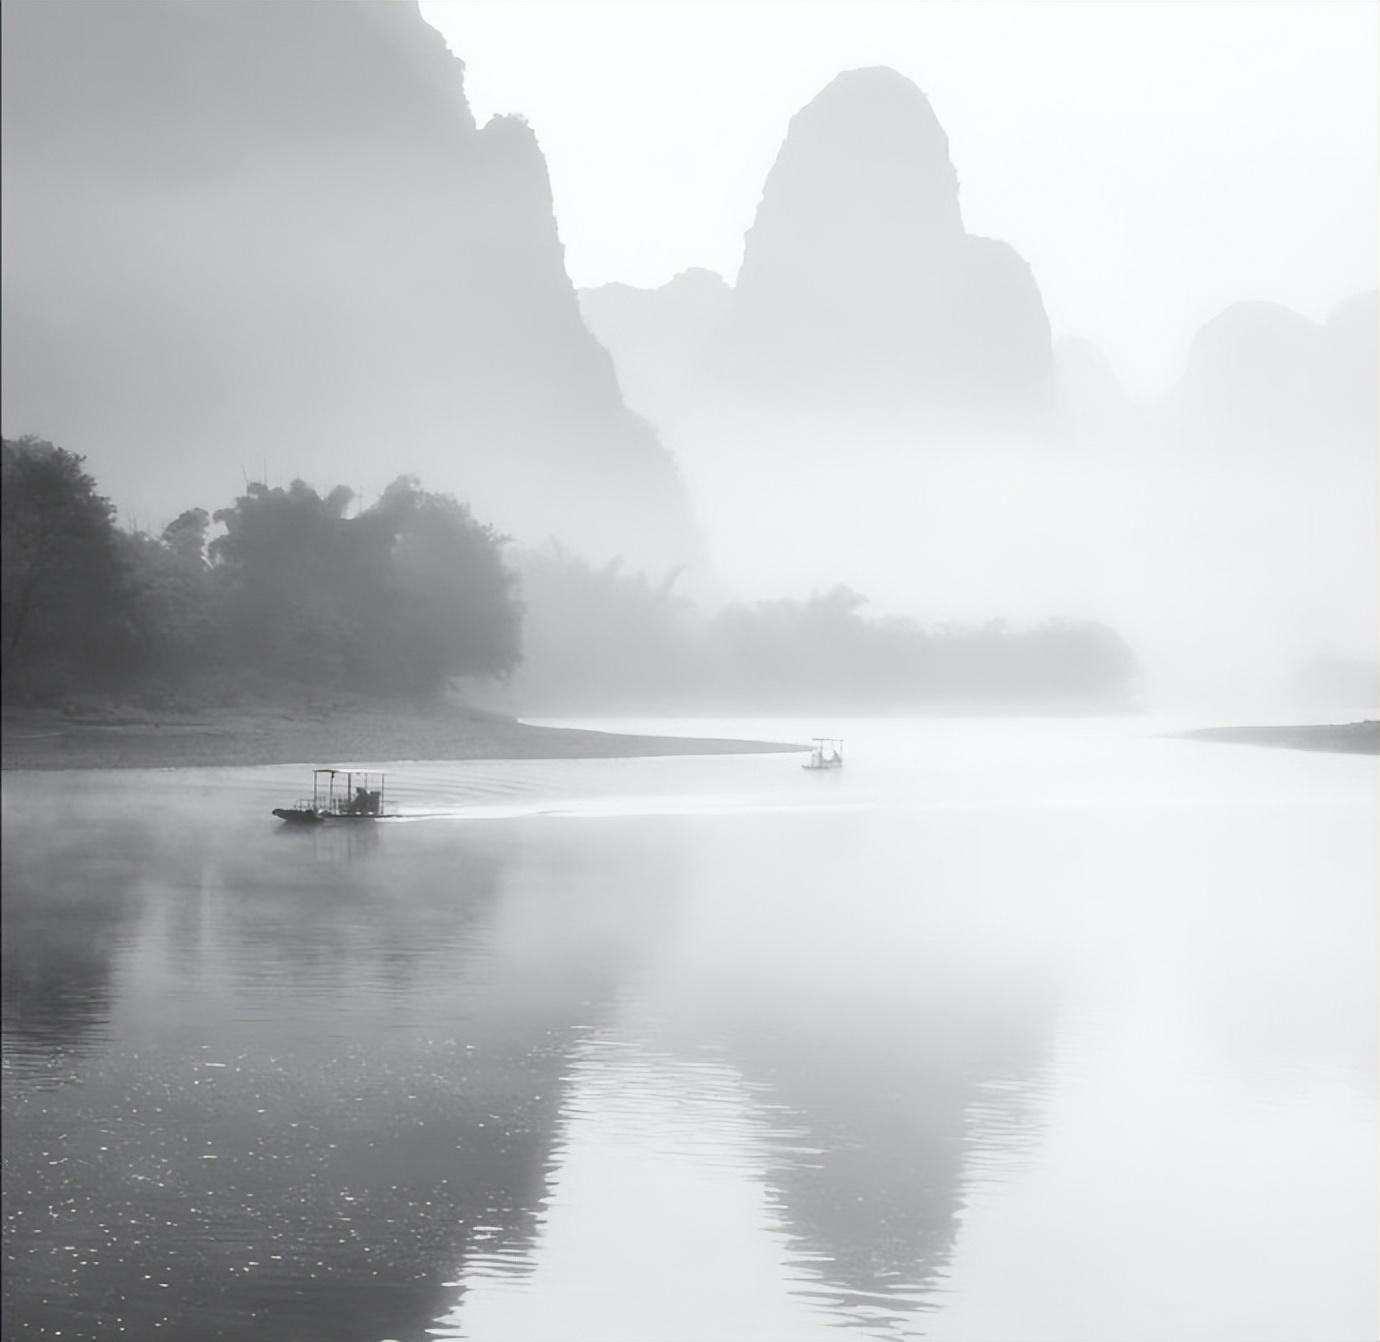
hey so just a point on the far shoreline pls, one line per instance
(1350, 738)
(46, 741)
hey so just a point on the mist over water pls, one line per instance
(1007, 1029)
(1015, 1027)
(1227, 581)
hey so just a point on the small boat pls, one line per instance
(826, 752)
(338, 794)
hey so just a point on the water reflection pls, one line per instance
(696, 1053)
(896, 1120)
(317, 1067)
(776, 1135)
(66, 911)
(658, 1221)
(894, 996)
(687, 1202)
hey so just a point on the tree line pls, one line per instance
(598, 638)
(412, 593)
(396, 599)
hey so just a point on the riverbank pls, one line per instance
(35, 739)
(1350, 738)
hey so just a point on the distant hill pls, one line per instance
(656, 336)
(245, 239)
(1265, 381)
(1093, 408)
(1265, 460)
(867, 404)
(860, 288)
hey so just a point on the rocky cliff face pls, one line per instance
(245, 237)
(860, 286)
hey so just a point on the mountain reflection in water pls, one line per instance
(987, 1035)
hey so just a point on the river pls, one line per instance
(1009, 1029)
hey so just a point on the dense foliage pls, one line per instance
(61, 569)
(396, 599)
(287, 586)
(400, 597)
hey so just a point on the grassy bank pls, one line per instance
(1351, 738)
(36, 739)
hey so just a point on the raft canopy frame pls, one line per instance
(826, 752)
(347, 793)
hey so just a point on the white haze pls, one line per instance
(1226, 525)
(323, 266)
(1229, 584)
(1153, 162)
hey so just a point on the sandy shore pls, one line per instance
(225, 737)
(1351, 738)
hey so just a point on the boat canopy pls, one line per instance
(356, 792)
(826, 752)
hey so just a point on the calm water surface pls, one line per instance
(1007, 1030)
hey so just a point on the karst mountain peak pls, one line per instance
(860, 287)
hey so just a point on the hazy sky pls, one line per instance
(1153, 161)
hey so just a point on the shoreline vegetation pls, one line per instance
(289, 592)
(1350, 738)
(237, 737)
(36, 739)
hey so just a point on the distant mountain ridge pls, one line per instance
(242, 237)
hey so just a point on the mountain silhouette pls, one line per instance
(860, 287)
(1087, 386)
(656, 336)
(1255, 504)
(1263, 380)
(246, 239)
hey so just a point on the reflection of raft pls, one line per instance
(826, 753)
(337, 794)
